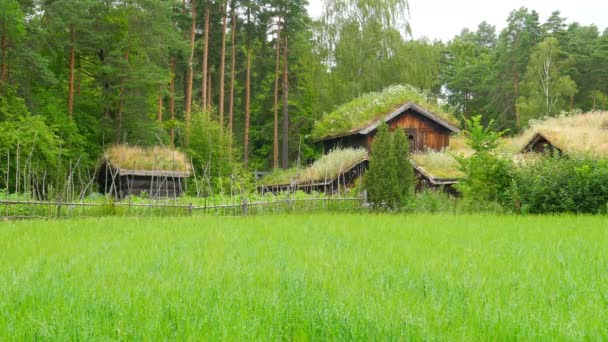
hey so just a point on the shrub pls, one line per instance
(554, 184)
(434, 201)
(389, 180)
(487, 175)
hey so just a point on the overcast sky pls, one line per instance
(443, 19)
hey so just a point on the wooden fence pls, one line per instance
(14, 209)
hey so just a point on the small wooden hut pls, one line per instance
(424, 129)
(436, 170)
(129, 170)
(542, 142)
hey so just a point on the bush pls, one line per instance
(555, 184)
(488, 176)
(434, 201)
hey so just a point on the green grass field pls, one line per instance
(300, 277)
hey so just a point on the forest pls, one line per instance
(239, 84)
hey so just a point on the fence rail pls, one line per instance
(15, 209)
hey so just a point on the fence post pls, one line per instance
(190, 208)
(59, 206)
(365, 204)
(244, 206)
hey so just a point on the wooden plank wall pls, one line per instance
(426, 133)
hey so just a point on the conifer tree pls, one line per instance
(405, 172)
(381, 178)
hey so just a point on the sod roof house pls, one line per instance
(572, 135)
(129, 170)
(436, 170)
(424, 129)
(339, 170)
(331, 173)
(543, 142)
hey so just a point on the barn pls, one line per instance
(130, 170)
(424, 129)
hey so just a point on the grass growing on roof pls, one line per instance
(328, 167)
(441, 165)
(580, 134)
(370, 107)
(155, 158)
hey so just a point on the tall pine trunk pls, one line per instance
(572, 102)
(594, 101)
(121, 101)
(247, 103)
(3, 58)
(275, 145)
(159, 115)
(223, 66)
(516, 93)
(71, 79)
(3, 55)
(172, 100)
(232, 72)
(188, 108)
(285, 142)
(209, 102)
(204, 91)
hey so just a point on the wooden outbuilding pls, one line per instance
(424, 129)
(426, 180)
(542, 142)
(158, 172)
(344, 180)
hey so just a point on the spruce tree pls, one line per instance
(405, 172)
(381, 178)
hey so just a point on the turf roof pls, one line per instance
(580, 134)
(157, 158)
(438, 165)
(366, 109)
(326, 168)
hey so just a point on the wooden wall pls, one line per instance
(123, 186)
(422, 132)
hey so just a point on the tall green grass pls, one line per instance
(338, 277)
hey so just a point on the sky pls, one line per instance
(443, 19)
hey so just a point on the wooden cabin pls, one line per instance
(425, 180)
(123, 172)
(542, 143)
(424, 130)
(344, 180)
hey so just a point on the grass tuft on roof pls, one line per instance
(580, 134)
(440, 165)
(373, 106)
(328, 167)
(155, 158)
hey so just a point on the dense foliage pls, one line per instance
(487, 174)
(390, 179)
(554, 184)
(228, 82)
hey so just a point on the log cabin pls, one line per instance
(157, 172)
(424, 129)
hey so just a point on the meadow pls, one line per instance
(303, 277)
